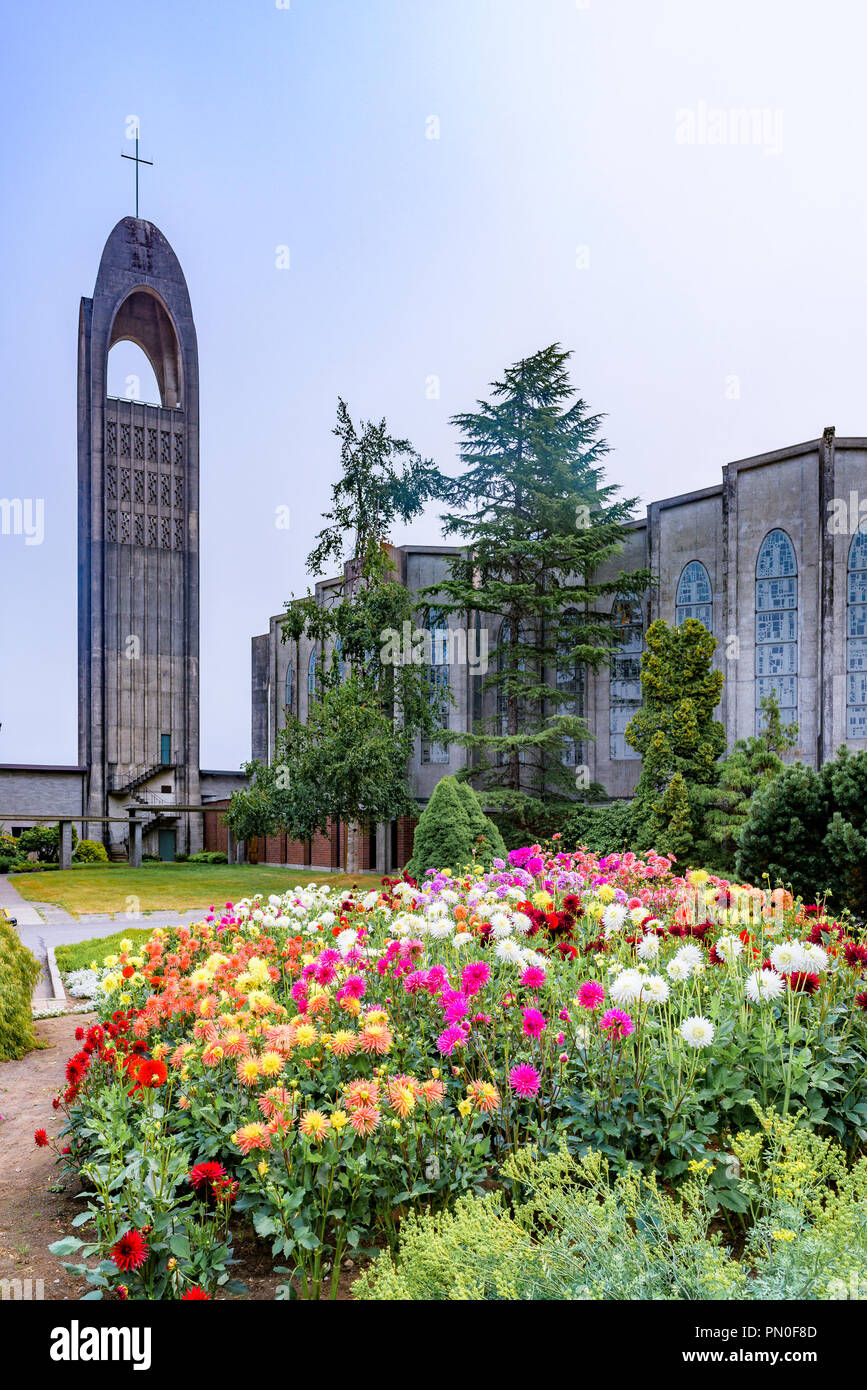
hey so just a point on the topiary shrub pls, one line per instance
(443, 839)
(19, 971)
(485, 839)
(90, 852)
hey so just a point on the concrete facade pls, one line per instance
(784, 588)
(38, 790)
(138, 488)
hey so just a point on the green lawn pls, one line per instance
(81, 954)
(107, 888)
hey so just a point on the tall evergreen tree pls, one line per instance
(347, 762)
(537, 521)
(677, 736)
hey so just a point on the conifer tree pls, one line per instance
(751, 764)
(537, 521)
(443, 838)
(676, 734)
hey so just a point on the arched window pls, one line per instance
(856, 636)
(290, 691)
(624, 684)
(570, 681)
(503, 641)
(777, 627)
(694, 595)
(338, 657)
(436, 625)
(311, 674)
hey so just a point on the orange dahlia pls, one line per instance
(375, 1038)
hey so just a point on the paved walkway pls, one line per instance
(41, 925)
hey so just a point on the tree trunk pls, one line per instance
(353, 848)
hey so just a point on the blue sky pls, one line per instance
(590, 185)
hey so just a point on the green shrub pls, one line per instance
(209, 856)
(44, 841)
(602, 829)
(6, 862)
(91, 852)
(486, 840)
(808, 830)
(452, 829)
(19, 971)
(576, 1230)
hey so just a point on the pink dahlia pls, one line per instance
(617, 1023)
(534, 1023)
(533, 977)
(590, 995)
(475, 976)
(449, 1039)
(524, 1080)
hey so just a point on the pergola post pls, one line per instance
(65, 844)
(134, 840)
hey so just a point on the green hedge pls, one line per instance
(19, 971)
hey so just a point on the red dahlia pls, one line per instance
(205, 1174)
(152, 1073)
(41, 1139)
(130, 1252)
(861, 1000)
(194, 1293)
(803, 982)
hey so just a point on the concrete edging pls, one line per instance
(57, 990)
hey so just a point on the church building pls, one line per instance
(772, 559)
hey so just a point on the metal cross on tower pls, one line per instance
(138, 160)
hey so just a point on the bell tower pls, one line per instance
(138, 545)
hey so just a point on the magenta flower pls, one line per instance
(533, 977)
(449, 1039)
(534, 1023)
(455, 1006)
(535, 864)
(590, 995)
(475, 976)
(436, 978)
(616, 1023)
(524, 1080)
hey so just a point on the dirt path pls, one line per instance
(32, 1216)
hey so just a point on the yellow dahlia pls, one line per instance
(247, 1071)
(270, 1064)
(313, 1125)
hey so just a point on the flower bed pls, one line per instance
(324, 1062)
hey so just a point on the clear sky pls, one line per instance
(591, 183)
